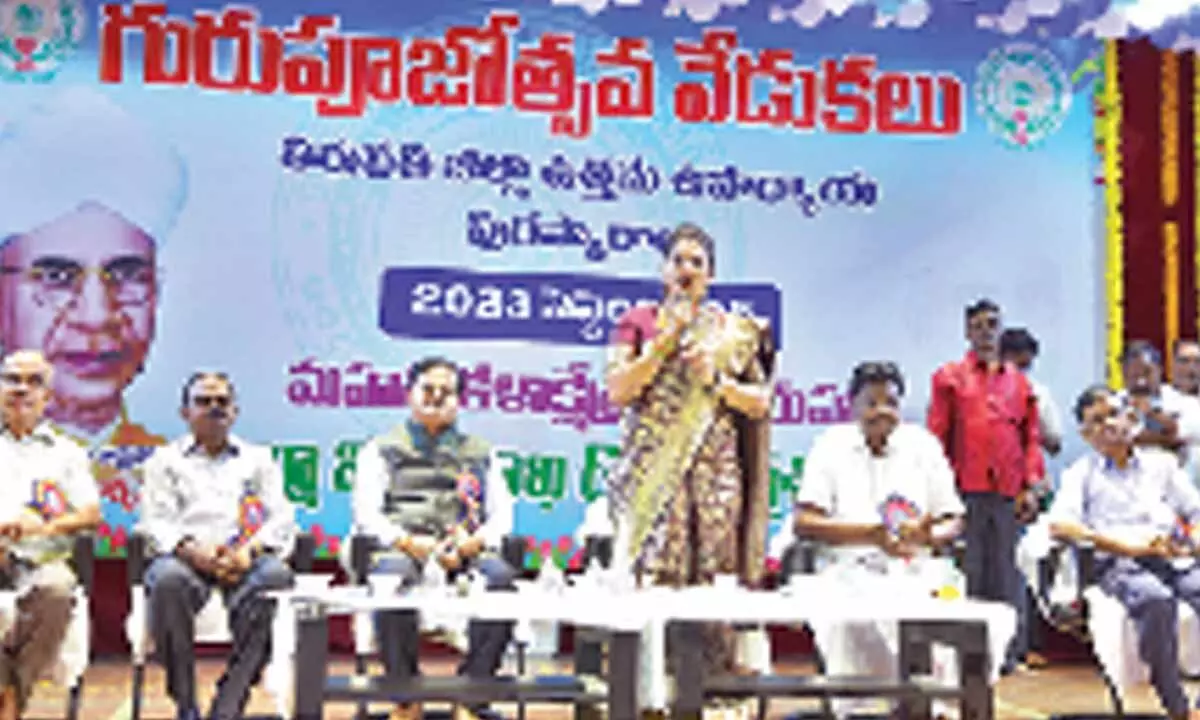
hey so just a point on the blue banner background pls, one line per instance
(276, 260)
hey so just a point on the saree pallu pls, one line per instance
(691, 487)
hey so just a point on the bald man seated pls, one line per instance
(49, 497)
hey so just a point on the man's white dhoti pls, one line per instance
(871, 649)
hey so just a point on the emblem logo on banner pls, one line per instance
(36, 36)
(1023, 93)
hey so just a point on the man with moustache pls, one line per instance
(1185, 368)
(215, 512)
(1168, 420)
(87, 194)
(420, 492)
(49, 497)
(985, 414)
(878, 494)
(1127, 503)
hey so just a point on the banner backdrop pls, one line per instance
(312, 196)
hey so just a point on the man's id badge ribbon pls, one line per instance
(469, 493)
(252, 515)
(48, 499)
(897, 509)
(1181, 534)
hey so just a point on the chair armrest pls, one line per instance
(800, 558)
(83, 560)
(1085, 558)
(136, 558)
(598, 548)
(304, 553)
(361, 549)
(1085, 567)
(513, 549)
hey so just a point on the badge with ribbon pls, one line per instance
(470, 493)
(252, 515)
(895, 510)
(1181, 535)
(48, 500)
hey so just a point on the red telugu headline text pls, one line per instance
(472, 66)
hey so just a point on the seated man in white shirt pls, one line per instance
(49, 497)
(215, 511)
(880, 492)
(1128, 501)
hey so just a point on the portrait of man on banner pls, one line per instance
(86, 196)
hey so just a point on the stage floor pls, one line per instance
(1070, 689)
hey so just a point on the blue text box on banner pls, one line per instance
(562, 308)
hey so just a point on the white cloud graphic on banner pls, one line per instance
(700, 10)
(593, 7)
(1169, 23)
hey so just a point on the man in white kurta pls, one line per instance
(877, 493)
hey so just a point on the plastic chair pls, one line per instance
(75, 653)
(211, 622)
(362, 550)
(1072, 602)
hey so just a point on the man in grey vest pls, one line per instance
(420, 491)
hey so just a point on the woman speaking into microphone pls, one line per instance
(689, 494)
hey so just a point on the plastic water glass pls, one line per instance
(382, 585)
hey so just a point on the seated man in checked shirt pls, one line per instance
(49, 497)
(1128, 502)
(880, 493)
(214, 509)
(420, 490)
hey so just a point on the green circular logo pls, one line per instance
(1023, 93)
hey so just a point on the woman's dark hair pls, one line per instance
(693, 232)
(868, 373)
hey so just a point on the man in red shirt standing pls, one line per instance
(984, 412)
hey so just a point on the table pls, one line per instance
(962, 625)
(313, 686)
(923, 622)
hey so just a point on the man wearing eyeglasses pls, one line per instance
(1141, 513)
(215, 512)
(985, 414)
(49, 497)
(420, 491)
(880, 494)
(86, 195)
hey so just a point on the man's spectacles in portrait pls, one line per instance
(16, 379)
(58, 281)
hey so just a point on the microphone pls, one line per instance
(677, 300)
